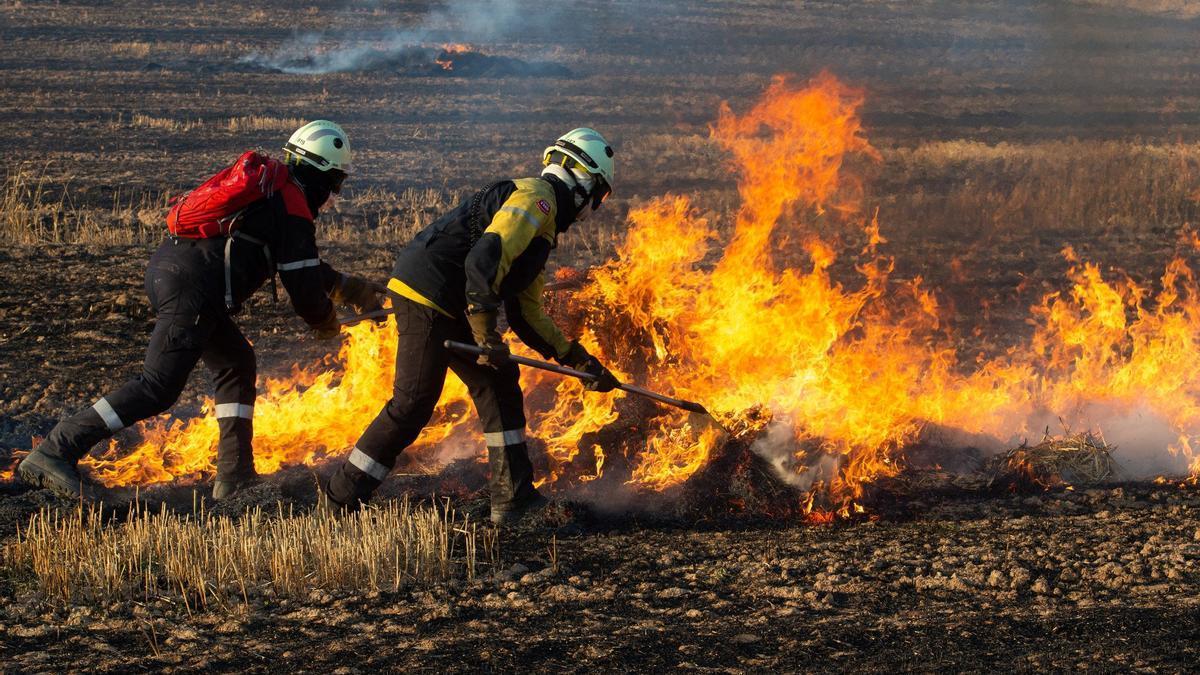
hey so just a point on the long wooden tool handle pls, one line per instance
(476, 350)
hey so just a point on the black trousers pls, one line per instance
(188, 328)
(421, 364)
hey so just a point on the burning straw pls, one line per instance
(205, 561)
(1074, 459)
(753, 321)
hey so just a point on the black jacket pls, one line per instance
(490, 252)
(274, 234)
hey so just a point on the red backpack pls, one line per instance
(212, 210)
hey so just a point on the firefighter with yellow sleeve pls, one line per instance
(450, 283)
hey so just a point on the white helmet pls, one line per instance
(322, 145)
(590, 152)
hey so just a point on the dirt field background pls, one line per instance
(1008, 130)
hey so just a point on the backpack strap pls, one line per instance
(238, 234)
(229, 306)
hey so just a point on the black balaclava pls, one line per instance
(316, 183)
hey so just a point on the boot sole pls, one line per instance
(38, 477)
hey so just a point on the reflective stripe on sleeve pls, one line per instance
(529, 217)
(110, 417)
(498, 439)
(298, 265)
(235, 410)
(367, 465)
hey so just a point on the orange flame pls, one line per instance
(445, 59)
(746, 317)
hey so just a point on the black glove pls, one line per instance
(487, 335)
(329, 328)
(578, 358)
(359, 293)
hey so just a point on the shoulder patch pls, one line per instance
(544, 206)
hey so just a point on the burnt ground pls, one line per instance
(969, 580)
(119, 104)
(1102, 580)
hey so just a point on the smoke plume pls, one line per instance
(471, 21)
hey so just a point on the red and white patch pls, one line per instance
(544, 206)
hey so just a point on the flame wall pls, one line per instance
(750, 321)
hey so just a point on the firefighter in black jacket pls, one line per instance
(194, 285)
(449, 284)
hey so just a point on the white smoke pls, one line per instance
(1142, 443)
(778, 448)
(470, 21)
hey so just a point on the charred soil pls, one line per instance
(1007, 133)
(1102, 579)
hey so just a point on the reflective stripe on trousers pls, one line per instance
(111, 419)
(500, 439)
(368, 465)
(235, 410)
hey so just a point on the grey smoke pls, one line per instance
(467, 21)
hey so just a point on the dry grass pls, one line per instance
(1050, 186)
(133, 49)
(35, 210)
(164, 123)
(376, 215)
(29, 214)
(261, 123)
(1183, 9)
(210, 562)
(1067, 187)
(1081, 459)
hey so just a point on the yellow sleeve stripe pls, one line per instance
(529, 217)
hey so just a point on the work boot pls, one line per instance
(223, 489)
(329, 505)
(510, 517)
(56, 474)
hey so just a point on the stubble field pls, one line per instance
(1006, 133)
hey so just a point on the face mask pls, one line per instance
(317, 197)
(586, 182)
(597, 190)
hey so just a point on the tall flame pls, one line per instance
(746, 317)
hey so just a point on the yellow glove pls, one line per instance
(487, 335)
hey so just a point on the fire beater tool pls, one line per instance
(690, 406)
